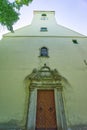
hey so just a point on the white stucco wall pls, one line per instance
(19, 56)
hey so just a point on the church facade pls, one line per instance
(43, 77)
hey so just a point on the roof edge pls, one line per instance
(41, 11)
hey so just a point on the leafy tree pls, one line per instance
(9, 12)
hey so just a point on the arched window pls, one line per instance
(43, 29)
(43, 17)
(44, 52)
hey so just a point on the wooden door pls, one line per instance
(46, 114)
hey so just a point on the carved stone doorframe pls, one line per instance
(45, 79)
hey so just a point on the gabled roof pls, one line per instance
(53, 29)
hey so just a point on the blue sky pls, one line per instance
(69, 13)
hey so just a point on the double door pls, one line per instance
(46, 112)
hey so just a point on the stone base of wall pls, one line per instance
(11, 125)
(78, 127)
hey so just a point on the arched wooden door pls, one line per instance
(46, 113)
